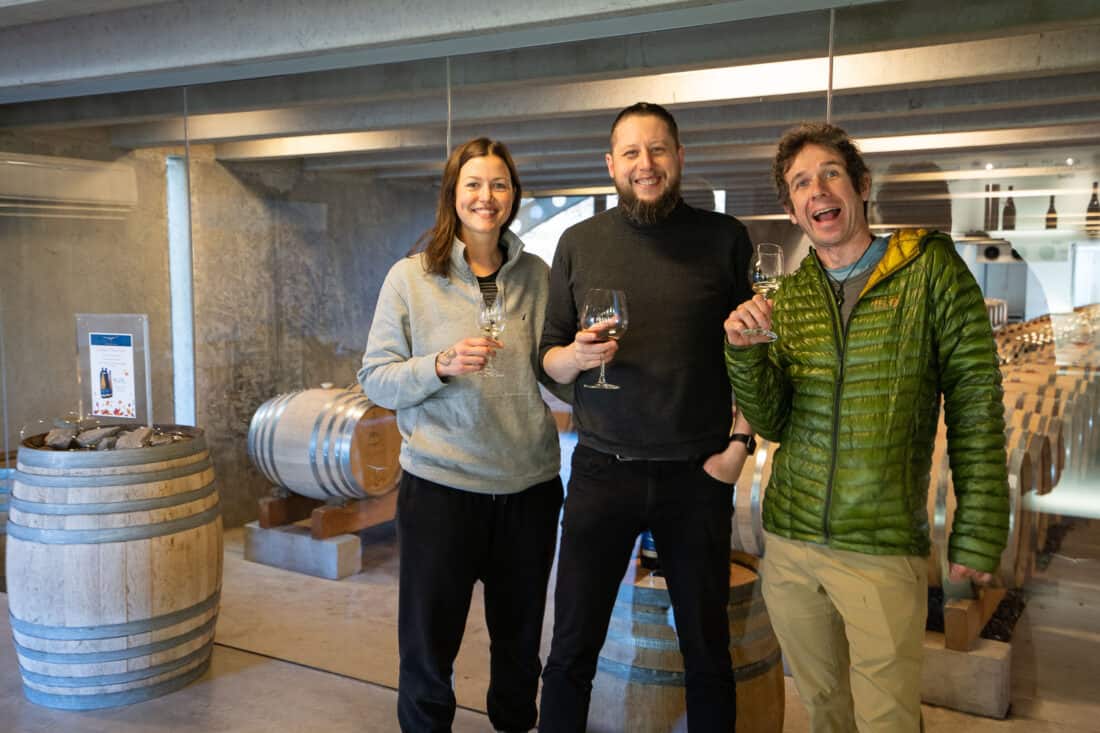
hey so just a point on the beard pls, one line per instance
(648, 213)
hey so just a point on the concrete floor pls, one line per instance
(296, 653)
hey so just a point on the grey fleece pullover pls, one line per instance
(482, 434)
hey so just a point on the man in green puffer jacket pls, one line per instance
(872, 332)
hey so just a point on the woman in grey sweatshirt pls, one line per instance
(480, 494)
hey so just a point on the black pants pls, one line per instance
(449, 540)
(608, 504)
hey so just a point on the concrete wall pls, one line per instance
(287, 268)
(53, 268)
(287, 271)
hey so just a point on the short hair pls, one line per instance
(815, 133)
(642, 109)
(436, 242)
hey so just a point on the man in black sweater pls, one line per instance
(656, 453)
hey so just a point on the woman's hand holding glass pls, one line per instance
(466, 356)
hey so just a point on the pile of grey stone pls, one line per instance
(69, 436)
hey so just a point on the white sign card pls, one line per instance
(111, 361)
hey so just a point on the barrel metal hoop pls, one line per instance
(114, 699)
(340, 444)
(113, 631)
(316, 432)
(631, 640)
(109, 480)
(666, 678)
(277, 411)
(110, 459)
(344, 451)
(118, 678)
(112, 534)
(252, 442)
(116, 655)
(115, 507)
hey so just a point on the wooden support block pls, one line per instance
(275, 512)
(963, 620)
(976, 682)
(329, 521)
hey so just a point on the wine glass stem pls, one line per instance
(601, 380)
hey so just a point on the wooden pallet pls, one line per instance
(327, 520)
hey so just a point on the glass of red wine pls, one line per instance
(604, 313)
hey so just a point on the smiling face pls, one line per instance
(645, 163)
(825, 203)
(483, 198)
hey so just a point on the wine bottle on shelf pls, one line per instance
(994, 208)
(1052, 215)
(1008, 217)
(1092, 214)
(987, 221)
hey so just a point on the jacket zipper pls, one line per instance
(841, 347)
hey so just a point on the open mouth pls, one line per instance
(824, 215)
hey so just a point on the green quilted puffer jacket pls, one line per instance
(856, 408)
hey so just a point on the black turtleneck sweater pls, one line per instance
(682, 278)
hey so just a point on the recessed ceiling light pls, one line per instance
(989, 166)
(1070, 161)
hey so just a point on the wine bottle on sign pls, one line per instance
(1052, 215)
(1092, 214)
(647, 553)
(1008, 217)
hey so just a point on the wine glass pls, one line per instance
(490, 319)
(765, 269)
(604, 313)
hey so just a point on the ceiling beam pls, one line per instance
(1075, 51)
(205, 41)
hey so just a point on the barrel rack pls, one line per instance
(327, 520)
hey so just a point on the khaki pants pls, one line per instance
(852, 628)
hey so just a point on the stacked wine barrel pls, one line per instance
(7, 473)
(328, 444)
(1052, 430)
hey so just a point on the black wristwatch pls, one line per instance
(748, 440)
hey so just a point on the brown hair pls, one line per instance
(643, 109)
(436, 243)
(816, 133)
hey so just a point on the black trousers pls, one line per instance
(608, 504)
(449, 540)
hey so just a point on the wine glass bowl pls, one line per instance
(604, 313)
(491, 321)
(765, 271)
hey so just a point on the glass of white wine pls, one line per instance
(490, 319)
(604, 313)
(765, 270)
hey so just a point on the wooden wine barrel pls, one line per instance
(1037, 445)
(115, 569)
(326, 443)
(1078, 388)
(1051, 428)
(639, 684)
(748, 500)
(1013, 570)
(6, 476)
(1065, 411)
